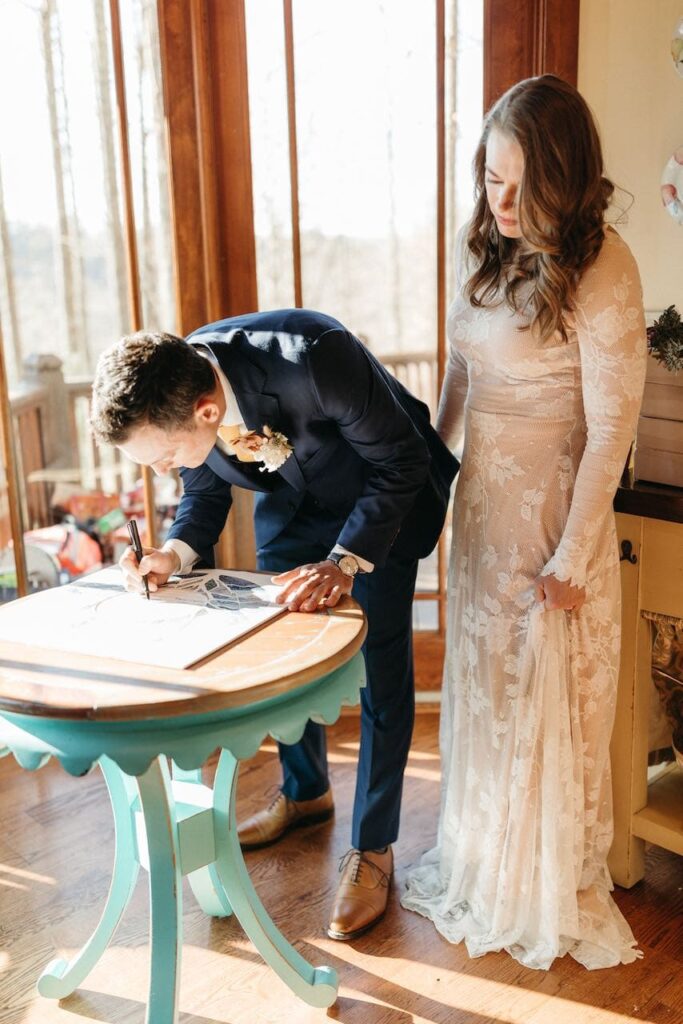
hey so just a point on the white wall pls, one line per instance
(628, 77)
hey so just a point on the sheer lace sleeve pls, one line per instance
(450, 419)
(610, 326)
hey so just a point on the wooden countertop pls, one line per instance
(653, 501)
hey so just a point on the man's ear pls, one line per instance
(206, 411)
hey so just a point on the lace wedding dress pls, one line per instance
(529, 694)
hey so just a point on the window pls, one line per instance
(64, 287)
(345, 100)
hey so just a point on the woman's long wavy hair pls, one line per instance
(562, 200)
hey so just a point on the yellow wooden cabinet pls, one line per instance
(652, 580)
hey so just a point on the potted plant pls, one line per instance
(665, 340)
(659, 442)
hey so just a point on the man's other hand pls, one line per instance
(309, 587)
(156, 565)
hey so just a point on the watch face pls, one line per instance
(348, 565)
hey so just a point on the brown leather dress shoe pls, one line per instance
(363, 892)
(282, 815)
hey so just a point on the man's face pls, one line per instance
(165, 450)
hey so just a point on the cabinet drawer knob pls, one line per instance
(627, 552)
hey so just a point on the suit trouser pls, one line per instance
(387, 701)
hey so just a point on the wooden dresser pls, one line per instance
(650, 527)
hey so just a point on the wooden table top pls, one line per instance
(286, 653)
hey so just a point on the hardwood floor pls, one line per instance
(56, 841)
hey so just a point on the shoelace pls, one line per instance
(275, 792)
(380, 877)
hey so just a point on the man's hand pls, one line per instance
(156, 565)
(558, 594)
(307, 588)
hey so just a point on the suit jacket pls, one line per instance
(363, 446)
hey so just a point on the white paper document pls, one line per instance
(191, 616)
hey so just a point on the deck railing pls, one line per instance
(54, 447)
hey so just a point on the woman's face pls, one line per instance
(503, 176)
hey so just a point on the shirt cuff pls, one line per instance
(187, 555)
(362, 562)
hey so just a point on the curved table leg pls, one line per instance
(61, 977)
(315, 985)
(165, 892)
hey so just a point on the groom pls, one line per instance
(354, 492)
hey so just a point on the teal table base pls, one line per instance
(171, 824)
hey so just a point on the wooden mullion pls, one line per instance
(206, 163)
(179, 90)
(227, 71)
(529, 37)
(12, 478)
(132, 263)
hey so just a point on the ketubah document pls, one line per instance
(191, 616)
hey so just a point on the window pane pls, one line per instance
(366, 115)
(270, 153)
(365, 80)
(63, 284)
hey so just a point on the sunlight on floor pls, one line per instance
(334, 757)
(29, 876)
(472, 993)
(12, 885)
(430, 774)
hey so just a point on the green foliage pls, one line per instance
(665, 339)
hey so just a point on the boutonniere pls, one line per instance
(271, 447)
(275, 449)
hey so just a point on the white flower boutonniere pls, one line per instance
(271, 447)
(274, 450)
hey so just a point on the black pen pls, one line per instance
(134, 535)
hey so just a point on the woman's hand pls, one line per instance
(156, 565)
(558, 594)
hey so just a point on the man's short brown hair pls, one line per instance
(147, 378)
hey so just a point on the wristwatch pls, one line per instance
(347, 563)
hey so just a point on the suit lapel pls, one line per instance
(258, 408)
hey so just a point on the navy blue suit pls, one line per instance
(367, 472)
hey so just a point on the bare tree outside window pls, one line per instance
(68, 241)
(9, 284)
(115, 251)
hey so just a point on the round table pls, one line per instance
(150, 730)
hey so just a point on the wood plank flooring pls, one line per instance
(56, 841)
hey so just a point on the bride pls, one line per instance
(544, 382)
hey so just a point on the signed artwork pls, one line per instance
(190, 617)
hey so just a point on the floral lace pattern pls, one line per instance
(529, 695)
